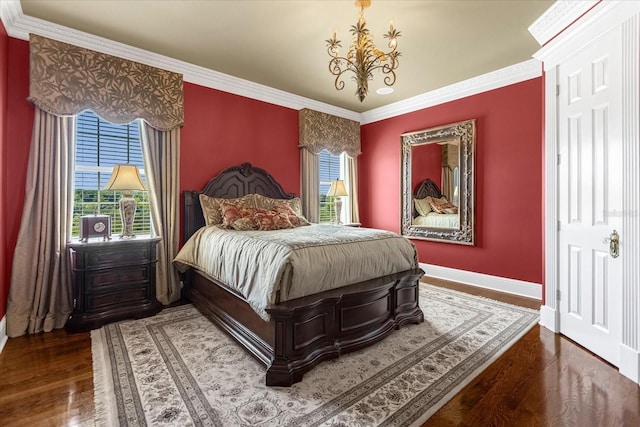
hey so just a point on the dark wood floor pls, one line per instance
(543, 380)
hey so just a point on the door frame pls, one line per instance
(600, 19)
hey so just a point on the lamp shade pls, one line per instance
(125, 177)
(337, 189)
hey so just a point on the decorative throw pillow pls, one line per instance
(232, 212)
(211, 207)
(296, 220)
(422, 205)
(265, 202)
(272, 220)
(443, 206)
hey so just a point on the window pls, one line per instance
(330, 168)
(99, 146)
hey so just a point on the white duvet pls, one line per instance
(266, 267)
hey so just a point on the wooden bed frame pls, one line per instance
(305, 331)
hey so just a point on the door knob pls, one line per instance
(614, 244)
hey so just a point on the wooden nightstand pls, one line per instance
(112, 280)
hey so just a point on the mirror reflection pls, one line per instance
(435, 176)
(437, 183)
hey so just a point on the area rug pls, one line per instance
(178, 369)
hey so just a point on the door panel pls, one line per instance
(590, 198)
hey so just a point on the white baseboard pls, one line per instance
(549, 318)
(3, 332)
(496, 283)
(630, 363)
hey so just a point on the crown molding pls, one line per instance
(19, 26)
(600, 19)
(503, 77)
(558, 17)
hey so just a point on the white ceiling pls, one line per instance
(281, 44)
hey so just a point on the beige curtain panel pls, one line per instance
(66, 80)
(40, 292)
(320, 131)
(161, 151)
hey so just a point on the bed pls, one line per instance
(432, 209)
(302, 332)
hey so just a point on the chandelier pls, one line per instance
(363, 57)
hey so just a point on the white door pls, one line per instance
(590, 196)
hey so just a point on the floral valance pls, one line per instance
(321, 131)
(67, 79)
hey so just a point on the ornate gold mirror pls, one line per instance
(437, 183)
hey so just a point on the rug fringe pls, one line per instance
(105, 408)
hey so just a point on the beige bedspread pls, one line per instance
(266, 267)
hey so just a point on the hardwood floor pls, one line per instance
(543, 380)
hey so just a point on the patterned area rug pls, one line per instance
(177, 368)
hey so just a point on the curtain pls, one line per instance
(40, 292)
(310, 185)
(351, 181)
(67, 79)
(320, 131)
(161, 154)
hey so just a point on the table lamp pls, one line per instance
(336, 191)
(126, 178)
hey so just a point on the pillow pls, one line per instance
(265, 202)
(292, 207)
(242, 218)
(211, 207)
(286, 209)
(443, 206)
(272, 220)
(422, 205)
(233, 212)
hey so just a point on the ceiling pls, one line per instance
(281, 44)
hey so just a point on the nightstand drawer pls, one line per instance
(122, 256)
(133, 294)
(98, 279)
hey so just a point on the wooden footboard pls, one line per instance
(305, 331)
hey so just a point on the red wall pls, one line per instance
(223, 129)
(508, 180)
(426, 162)
(4, 60)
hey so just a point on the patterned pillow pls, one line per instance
(442, 206)
(265, 202)
(233, 212)
(295, 219)
(211, 207)
(272, 220)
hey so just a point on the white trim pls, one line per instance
(599, 20)
(19, 26)
(549, 318)
(496, 283)
(558, 17)
(517, 73)
(551, 203)
(629, 363)
(3, 332)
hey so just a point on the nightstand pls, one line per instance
(112, 280)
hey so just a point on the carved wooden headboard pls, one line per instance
(235, 181)
(427, 188)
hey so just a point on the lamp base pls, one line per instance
(127, 213)
(338, 205)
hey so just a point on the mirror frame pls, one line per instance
(466, 132)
